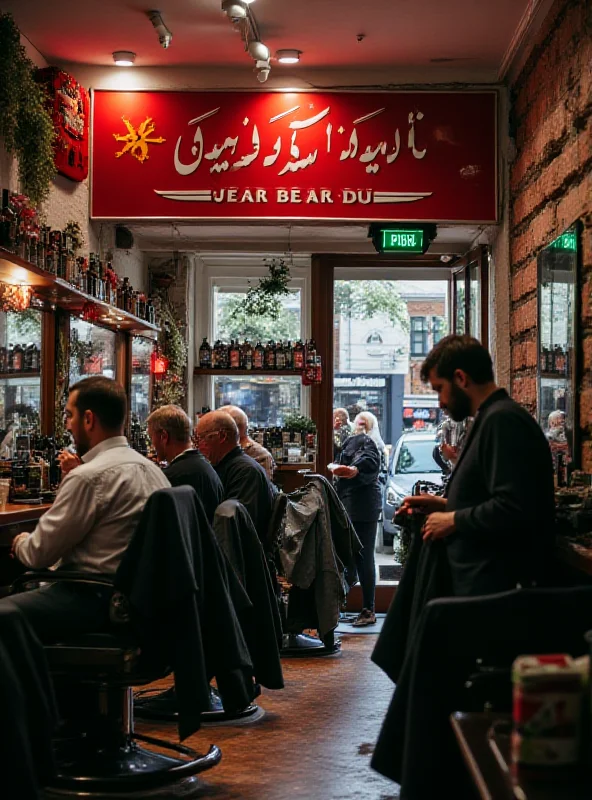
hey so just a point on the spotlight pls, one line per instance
(165, 37)
(288, 56)
(124, 58)
(263, 74)
(236, 9)
(258, 51)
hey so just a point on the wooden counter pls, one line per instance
(18, 512)
(16, 518)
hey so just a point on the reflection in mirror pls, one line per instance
(557, 273)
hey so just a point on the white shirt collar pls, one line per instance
(187, 450)
(106, 444)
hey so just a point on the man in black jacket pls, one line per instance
(497, 517)
(169, 429)
(242, 477)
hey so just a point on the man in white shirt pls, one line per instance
(94, 515)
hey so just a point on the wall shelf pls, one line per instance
(58, 292)
(5, 376)
(239, 372)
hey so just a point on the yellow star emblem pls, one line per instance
(137, 140)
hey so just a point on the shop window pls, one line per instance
(141, 381)
(266, 399)
(419, 336)
(92, 350)
(438, 329)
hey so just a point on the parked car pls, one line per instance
(412, 461)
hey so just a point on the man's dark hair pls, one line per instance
(458, 352)
(105, 398)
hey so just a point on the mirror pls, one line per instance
(557, 279)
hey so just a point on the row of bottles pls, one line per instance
(271, 356)
(30, 461)
(287, 446)
(554, 360)
(20, 358)
(55, 252)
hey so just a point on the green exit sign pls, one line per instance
(402, 241)
(567, 241)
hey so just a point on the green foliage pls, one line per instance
(234, 322)
(23, 326)
(25, 123)
(298, 422)
(172, 387)
(367, 299)
(265, 299)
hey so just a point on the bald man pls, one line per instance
(249, 446)
(242, 477)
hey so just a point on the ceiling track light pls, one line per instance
(240, 14)
(288, 56)
(165, 36)
(235, 9)
(124, 58)
(258, 51)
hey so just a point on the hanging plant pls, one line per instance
(74, 231)
(25, 123)
(61, 382)
(171, 387)
(264, 300)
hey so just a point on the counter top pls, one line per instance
(18, 512)
(575, 555)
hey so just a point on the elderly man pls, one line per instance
(249, 446)
(242, 477)
(169, 429)
(94, 515)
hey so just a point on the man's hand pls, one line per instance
(345, 472)
(449, 452)
(423, 503)
(14, 541)
(68, 461)
(439, 525)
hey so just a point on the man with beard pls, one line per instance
(497, 515)
(93, 518)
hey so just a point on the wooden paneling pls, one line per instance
(321, 397)
(48, 371)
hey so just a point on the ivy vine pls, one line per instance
(172, 387)
(265, 299)
(25, 123)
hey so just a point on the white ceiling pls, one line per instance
(432, 34)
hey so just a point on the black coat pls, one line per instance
(452, 634)
(261, 622)
(502, 492)
(362, 495)
(192, 469)
(245, 480)
(28, 713)
(175, 577)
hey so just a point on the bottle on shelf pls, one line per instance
(3, 359)
(205, 354)
(311, 353)
(258, 356)
(280, 356)
(299, 355)
(247, 355)
(6, 221)
(559, 360)
(288, 355)
(270, 355)
(17, 358)
(234, 355)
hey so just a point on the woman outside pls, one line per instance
(366, 422)
(342, 429)
(359, 491)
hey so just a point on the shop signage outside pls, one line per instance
(392, 156)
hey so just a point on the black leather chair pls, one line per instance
(98, 753)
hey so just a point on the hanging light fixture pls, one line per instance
(159, 364)
(15, 298)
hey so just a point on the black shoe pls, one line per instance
(365, 617)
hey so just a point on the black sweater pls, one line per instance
(192, 469)
(361, 495)
(502, 493)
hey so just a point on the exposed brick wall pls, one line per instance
(551, 184)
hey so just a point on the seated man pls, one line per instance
(242, 477)
(248, 445)
(95, 513)
(169, 429)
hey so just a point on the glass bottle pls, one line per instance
(248, 355)
(9, 355)
(258, 356)
(205, 354)
(234, 355)
(311, 353)
(214, 354)
(3, 359)
(17, 358)
(270, 355)
(289, 355)
(280, 356)
(298, 354)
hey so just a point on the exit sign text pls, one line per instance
(402, 241)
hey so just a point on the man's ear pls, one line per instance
(89, 419)
(461, 378)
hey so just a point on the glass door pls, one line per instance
(470, 295)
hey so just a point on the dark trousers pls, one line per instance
(59, 611)
(365, 561)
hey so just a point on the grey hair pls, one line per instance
(239, 416)
(173, 420)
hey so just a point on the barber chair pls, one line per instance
(97, 751)
(295, 643)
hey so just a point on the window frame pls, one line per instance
(424, 332)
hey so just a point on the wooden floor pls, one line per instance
(315, 740)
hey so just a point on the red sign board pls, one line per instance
(422, 156)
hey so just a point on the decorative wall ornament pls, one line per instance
(69, 106)
(25, 124)
(137, 140)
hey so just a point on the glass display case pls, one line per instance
(141, 379)
(92, 351)
(557, 368)
(20, 375)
